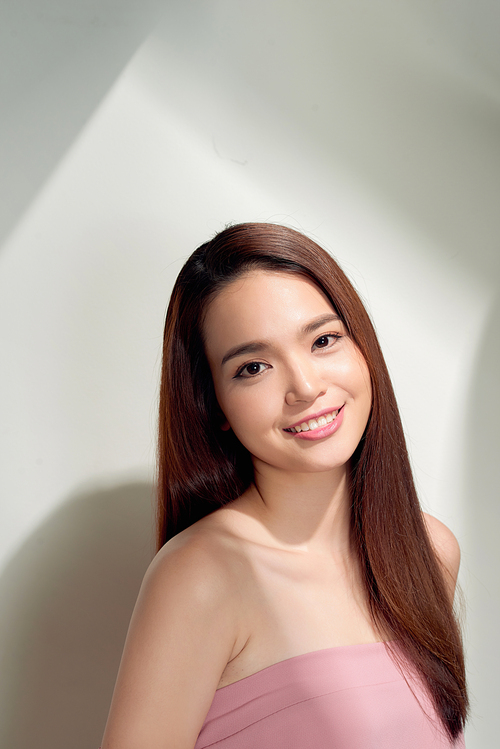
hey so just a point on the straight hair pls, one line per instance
(403, 578)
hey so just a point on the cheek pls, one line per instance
(361, 376)
(249, 415)
(365, 383)
(247, 406)
(367, 394)
(358, 384)
(245, 414)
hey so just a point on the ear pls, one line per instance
(225, 426)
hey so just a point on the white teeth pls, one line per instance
(321, 421)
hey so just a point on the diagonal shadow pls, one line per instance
(67, 597)
(58, 61)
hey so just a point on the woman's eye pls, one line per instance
(326, 340)
(250, 370)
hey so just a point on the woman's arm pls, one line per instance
(447, 549)
(181, 636)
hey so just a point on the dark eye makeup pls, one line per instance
(253, 368)
(325, 343)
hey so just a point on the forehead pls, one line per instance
(262, 304)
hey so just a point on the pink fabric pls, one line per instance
(351, 697)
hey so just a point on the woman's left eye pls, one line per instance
(326, 340)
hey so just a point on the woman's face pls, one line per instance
(280, 358)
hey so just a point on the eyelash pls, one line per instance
(239, 374)
(329, 335)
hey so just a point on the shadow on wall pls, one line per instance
(63, 58)
(481, 557)
(67, 597)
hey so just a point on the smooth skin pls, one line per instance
(271, 575)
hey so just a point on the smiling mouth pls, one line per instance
(311, 424)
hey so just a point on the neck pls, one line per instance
(303, 512)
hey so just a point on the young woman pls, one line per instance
(299, 597)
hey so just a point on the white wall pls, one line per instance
(131, 136)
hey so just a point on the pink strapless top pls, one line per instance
(351, 697)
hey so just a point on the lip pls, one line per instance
(321, 432)
(316, 416)
(324, 431)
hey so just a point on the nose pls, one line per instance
(304, 384)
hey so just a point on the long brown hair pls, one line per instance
(206, 467)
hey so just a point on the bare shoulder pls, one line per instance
(184, 630)
(446, 546)
(200, 563)
(199, 550)
(200, 570)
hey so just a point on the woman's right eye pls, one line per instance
(250, 370)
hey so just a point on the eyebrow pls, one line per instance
(253, 347)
